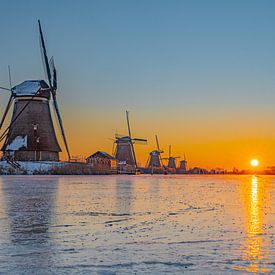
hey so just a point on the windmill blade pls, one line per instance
(186, 163)
(44, 55)
(9, 69)
(61, 125)
(113, 146)
(139, 141)
(5, 89)
(53, 85)
(6, 111)
(147, 162)
(10, 99)
(128, 124)
(157, 141)
(113, 149)
(161, 162)
(134, 154)
(54, 75)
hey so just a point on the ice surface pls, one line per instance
(137, 224)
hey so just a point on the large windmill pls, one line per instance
(154, 160)
(30, 135)
(171, 160)
(124, 151)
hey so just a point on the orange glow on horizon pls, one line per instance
(204, 140)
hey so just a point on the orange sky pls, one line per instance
(209, 141)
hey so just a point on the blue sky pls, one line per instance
(146, 48)
(194, 60)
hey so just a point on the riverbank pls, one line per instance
(49, 168)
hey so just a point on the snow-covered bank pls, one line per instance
(48, 168)
(30, 167)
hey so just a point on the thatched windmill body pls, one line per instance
(124, 148)
(30, 135)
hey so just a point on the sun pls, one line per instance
(254, 162)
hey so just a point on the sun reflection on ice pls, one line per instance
(255, 220)
(253, 253)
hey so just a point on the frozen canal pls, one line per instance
(137, 224)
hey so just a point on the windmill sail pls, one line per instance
(44, 55)
(6, 111)
(141, 141)
(5, 89)
(53, 85)
(53, 73)
(61, 125)
(128, 124)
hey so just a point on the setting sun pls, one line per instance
(254, 162)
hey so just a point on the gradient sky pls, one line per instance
(200, 74)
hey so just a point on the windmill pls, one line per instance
(30, 134)
(171, 160)
(154, 159)
(183, 165)
(124, 151)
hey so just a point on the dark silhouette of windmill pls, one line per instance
(30, 135)
(124, 150)
(183, 165)
(154, 160)
(171, 160)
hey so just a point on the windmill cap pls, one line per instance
(123, 139)
(31, 88)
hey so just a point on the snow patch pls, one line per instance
(17, 143)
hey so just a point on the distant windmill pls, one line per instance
(154, 159)
(183, 165)
(124, 151)
(30, 134)
(171, 160)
